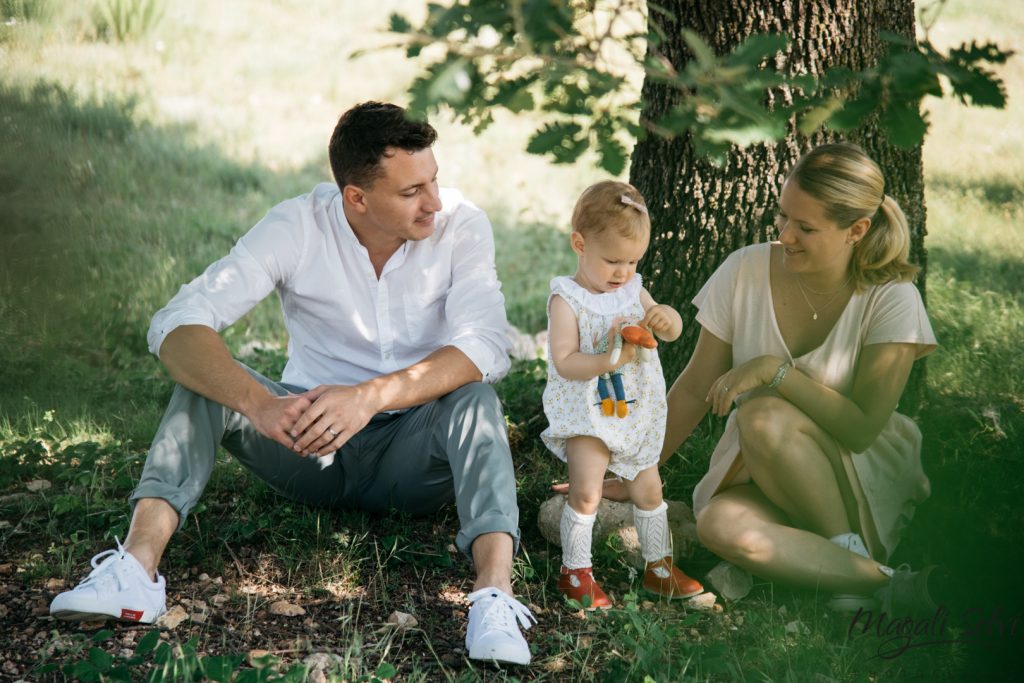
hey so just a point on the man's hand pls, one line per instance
(275, 416)
(335, 414)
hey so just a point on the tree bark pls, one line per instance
(699, 212)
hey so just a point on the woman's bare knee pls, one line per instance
(764, 423)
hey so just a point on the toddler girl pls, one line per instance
(606, 406)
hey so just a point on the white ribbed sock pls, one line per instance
(853, 542)
(576, 530)
(653, 532)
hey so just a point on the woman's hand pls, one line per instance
(741, 379)
(614, 489)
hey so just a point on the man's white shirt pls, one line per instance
(345, 326)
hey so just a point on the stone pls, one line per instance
(283, 608)
(730, 581)
(172, 617)
(322, 667)
(704, 602)
(797, 628)
(403, 620)
(616, 519)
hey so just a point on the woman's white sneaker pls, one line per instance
(117, 587)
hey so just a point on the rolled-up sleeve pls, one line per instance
(233, 285)
(475, 308)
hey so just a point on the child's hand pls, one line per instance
(664, 321)
(627, 353)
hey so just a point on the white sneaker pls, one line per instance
(493, 633)
(850, 602)
(116, 587)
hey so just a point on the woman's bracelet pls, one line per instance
(780, 375)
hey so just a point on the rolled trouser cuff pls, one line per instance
(492, 522)
(181, 500)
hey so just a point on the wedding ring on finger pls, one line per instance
(333, 433)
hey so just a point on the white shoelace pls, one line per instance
(504, 611)
(102, 572)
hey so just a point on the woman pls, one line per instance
(813, 338)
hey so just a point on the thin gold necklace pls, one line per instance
(835, 293)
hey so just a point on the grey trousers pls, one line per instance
(452, 448)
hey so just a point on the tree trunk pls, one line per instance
(700, 212)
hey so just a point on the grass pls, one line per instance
(127, 168)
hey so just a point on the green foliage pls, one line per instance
(40, 11)
(551, 57)
(127, 20)
(895, 87)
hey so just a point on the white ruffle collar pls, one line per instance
(604, 303)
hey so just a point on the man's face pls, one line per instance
(402, 202)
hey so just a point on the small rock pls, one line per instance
(10, 668)
(172, 617)
(204, 577)
(6, 569)
(255, 655)
(37, 485)
(219, 599)
(320, 665)
(403, 620)
(55, 584)
(730, 581)
(797, 628)
(702, 603)
(283, 608)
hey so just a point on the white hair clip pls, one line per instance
(635, 204)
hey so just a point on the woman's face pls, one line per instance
(813, 243)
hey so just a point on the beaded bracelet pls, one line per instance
(780, 374)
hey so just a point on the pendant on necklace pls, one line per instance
(814, 317)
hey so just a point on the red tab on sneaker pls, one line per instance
(131, 614)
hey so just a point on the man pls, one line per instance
(396, 326)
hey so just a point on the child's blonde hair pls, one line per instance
(611, 205)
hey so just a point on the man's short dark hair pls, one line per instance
(363, 134)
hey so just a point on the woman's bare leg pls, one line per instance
(792, 461)
(742, 526)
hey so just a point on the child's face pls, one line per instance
(607, 261)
